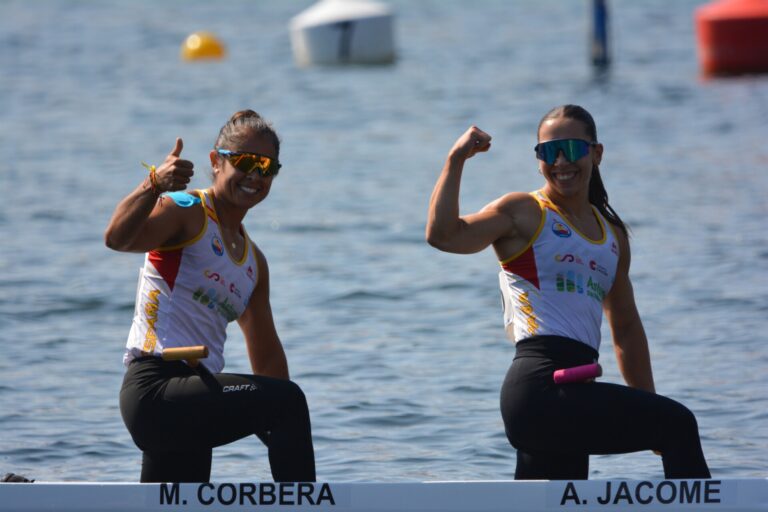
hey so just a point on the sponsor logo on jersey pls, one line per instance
(215, 276)
(217, 246)
(574, 282)
(216, 301)
(598, 268)
(561, 229)
(568, 258)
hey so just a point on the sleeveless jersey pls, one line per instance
(557, 283)
(188, 293)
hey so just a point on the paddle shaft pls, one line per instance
(189, 354)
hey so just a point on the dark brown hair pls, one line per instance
(598, 196)
(242, 124)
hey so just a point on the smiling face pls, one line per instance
(241, 189)
(564, 178)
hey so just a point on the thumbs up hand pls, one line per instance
(174, 173)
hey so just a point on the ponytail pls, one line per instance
(599, 199)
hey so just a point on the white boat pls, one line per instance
(333, 32)
(466, 496)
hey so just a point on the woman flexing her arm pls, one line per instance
(564, 256)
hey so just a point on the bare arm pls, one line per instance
(446, 229)
(140, 222)
(265, 351)
(629, 339)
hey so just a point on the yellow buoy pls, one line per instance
(202, 45)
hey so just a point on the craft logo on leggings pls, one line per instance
(239, 387)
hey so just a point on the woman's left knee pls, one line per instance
(293, 396)
(682, 419)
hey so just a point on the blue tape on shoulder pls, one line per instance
(183, 199)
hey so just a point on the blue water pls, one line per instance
(399, 347)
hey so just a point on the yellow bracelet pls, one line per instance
(152, 176)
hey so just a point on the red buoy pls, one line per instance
(733, 37)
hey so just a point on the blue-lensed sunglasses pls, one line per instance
(573, 149)
(251, 162)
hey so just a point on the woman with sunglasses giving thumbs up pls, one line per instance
(564, 257)
(201, 272)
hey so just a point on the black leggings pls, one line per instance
(555, 427)
(176, 415)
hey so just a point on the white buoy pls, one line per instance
(343, 32)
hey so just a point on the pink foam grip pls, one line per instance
(577, 373)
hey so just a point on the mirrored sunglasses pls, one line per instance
(573, 149)
(251, 162)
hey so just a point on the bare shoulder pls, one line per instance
(524, 213)
(521, 207)
(515, 203)
(184, 220)
(258, 254)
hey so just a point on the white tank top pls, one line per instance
(557, 283)
(188, 293)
